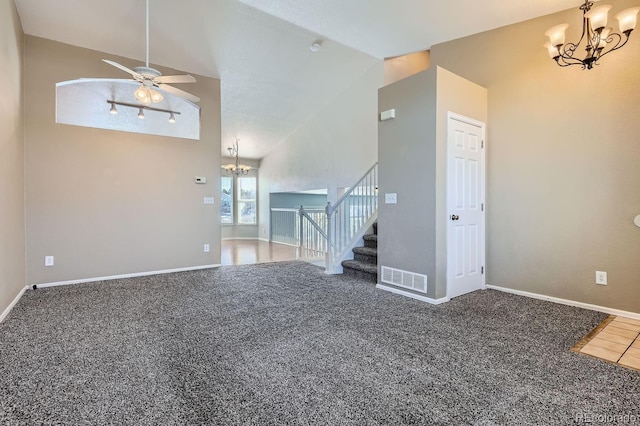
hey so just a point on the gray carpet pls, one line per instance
(285, 344)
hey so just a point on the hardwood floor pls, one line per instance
(616, 339)
(244, 252)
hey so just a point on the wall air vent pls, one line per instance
(405, 279)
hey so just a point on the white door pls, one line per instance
(465, 205)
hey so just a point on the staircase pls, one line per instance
(365, 259)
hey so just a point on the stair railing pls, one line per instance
(312, 232)
(350, 217)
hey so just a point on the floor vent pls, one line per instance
(400, 278)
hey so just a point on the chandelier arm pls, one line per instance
(618, 44)
(563, 62)
(566, 56)
(567, 50)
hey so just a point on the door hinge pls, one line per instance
(482, 269)
(481, 207)
(482, 144)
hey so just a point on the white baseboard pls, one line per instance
(12, 304)
(412, 295)
(240, 238)
(266, 240)
(116, 277)
(606, 310)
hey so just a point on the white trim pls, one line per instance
(483, 126)
(116, 277)
(568, 302)
(462, 118)
(412, 295)
(266, 240)
(12, 304)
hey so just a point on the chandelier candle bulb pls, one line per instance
(598, 16)
(553, 50)
(628, 19)
(556, 34)
(603, 37)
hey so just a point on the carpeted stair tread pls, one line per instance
(371, 239)
(367, 251)
(360, 266)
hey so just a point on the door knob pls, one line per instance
(455, 217)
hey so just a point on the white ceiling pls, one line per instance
(271, 81)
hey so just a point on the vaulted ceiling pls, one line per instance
(272, 83)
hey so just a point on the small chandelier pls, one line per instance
(236, 169)
(600, 40)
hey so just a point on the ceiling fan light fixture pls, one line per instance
(140, 114)
(172, 118)
(142, 94)
(113, 110)
(155, 96)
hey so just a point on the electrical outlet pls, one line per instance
(206, 248)
(48, 261)
(601, 278)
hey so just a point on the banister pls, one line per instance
(331, 208)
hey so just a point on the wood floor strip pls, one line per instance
(625, 361)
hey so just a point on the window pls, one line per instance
(246, 200)
(226, 200)
(241, 209)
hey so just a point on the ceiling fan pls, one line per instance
(151, 79)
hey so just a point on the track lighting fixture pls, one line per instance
(141, 109)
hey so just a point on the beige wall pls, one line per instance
(412, 164)
(463, 97)
(107, 203)
(562, 162)
(395, 69)
(407, 167)
(12, 240)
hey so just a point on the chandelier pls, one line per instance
(237, 168)
(599, 39)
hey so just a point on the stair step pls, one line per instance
(362, 270)
(366, 254)
(371, 240)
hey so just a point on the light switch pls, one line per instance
(391, 198)
(208, 200)
(200, 179)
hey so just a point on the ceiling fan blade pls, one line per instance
(136, 75)
(179, 92)
(170, 79)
